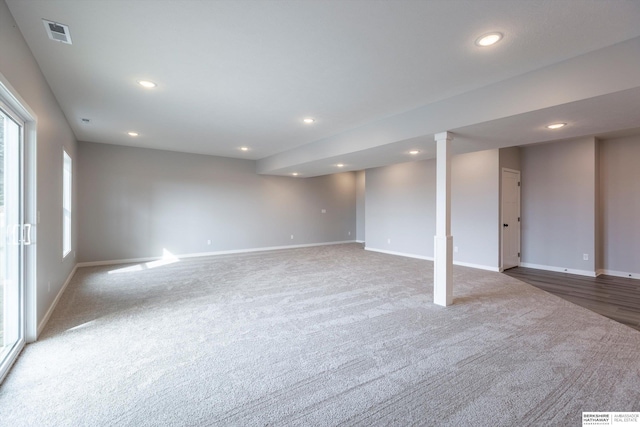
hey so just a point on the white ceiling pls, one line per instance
(380, 77)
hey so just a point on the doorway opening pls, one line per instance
(17, 203)
(510, 219)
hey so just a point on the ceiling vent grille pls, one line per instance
(58, 32)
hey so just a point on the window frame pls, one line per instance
(67, 206)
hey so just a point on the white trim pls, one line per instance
(477, 266)
(53, 305)
(67, 203)
(203, 254)
(31, 216)
(19, 106)
(12, 356)
(559, 269)
(628, 275)
(359, 241)
(16, 102)
(117, 261)
(512, 170)
(407, 255)
(500, 227)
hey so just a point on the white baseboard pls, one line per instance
(117, 261)
(407, 255)
(559, 269)
(477, 266)
(359, 241)
(203, 254)
(49, 312)
(403, 254)
(628, 275)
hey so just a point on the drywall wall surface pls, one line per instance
(475, 202)
(20, 69)
(620, 202)
(137, 203)
(510, 158)
(400, 208)
(558, 205)
(360, 205)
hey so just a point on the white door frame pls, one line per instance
(19, 108)
(502, 219)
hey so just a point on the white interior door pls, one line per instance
(510, 221)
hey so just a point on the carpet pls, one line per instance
(319, 336)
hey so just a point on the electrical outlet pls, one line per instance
(349, 233)
(208, 242)
(323, 211)
(292, 237)
(585, 257)
(389, 241)
(455, 249)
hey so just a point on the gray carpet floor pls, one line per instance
(322, 336)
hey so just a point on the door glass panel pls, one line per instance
(10, 236)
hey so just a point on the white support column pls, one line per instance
(443, 245)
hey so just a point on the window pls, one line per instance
(66, 205)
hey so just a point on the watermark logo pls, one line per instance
(626, 419)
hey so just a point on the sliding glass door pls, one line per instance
(13, 236)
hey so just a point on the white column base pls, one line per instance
(443, 270)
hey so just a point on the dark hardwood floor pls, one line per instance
(617, 298)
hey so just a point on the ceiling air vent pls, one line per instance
(58, 32)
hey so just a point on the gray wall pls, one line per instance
(400, 205)
(19, 67)
(510, 159)
(360, 205)
(578, 197)
(559, 205)
(136, 202)
(475, 208)
(620, 201)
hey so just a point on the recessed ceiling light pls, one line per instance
(414, 152)
(556, 125)
(132, 133)
(488, 39)
(340, 165)
(308, 120)
(295, 174)
(147, 84)
(244, 148)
